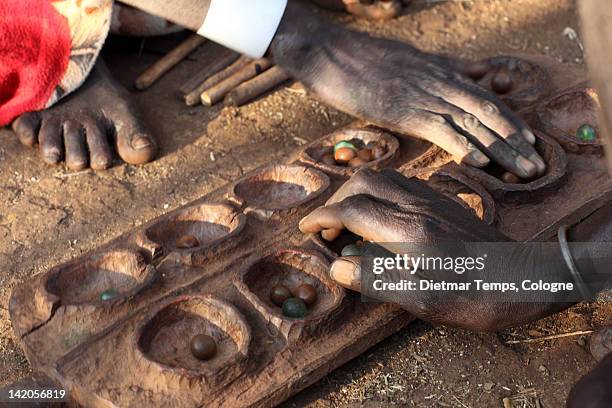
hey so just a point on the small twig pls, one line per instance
(213, 95)
(552, 337)
(68, 175)
(460, 403)
(168, 61)
(193, 97)
(206, 72)
(256, 87)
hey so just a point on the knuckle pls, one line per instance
(470, 122)
(362, 179)
(490, 108)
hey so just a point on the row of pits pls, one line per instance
(162, 337)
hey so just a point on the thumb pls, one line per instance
(346, 271)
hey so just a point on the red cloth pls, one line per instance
(34, 53)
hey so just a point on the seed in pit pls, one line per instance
(279, 293)
(295, 308)
(501, 83)
(357, 162)
(477, 70)
(187, 242)
(344, 144)
(328, 159)
(586, 133)
(109, 294)
(351, 250)
(365, 154)
(344, 155)
(510, 178)
(307, 293)
(203, 347)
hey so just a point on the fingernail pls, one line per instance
(539, 162)
(477, 159)
(528, 134)
(527, 168)
(141, 142)
(347, 273)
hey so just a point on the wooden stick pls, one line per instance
(553, 337)
(193, 97)
(168, 61)
(218, 92)
(207, 71)
(256, 87)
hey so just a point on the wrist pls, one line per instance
(299, 33)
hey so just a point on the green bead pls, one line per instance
(295, 308)
(586, 133)
(109, 294)
(351, 250)
(342, 144)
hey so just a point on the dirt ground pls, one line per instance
(49, 215)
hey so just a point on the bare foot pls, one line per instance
(83, 128)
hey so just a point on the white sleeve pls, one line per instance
(245, 26)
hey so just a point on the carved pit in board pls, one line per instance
(465, 191)
(123, 272)
(209, 223)
(163, 338)
(277, 188)
(313, 154)
(531, 190)
(292, 267)
(530, 81)
(562, 114)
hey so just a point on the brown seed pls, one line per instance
(477, 70)
(501, 83)
(344, 155)
(328, 159)
(307, 293)
(365, 154)
(378, 152)
(357, 162)
(279, 293)
(510, 178)
(187, 242)
(203, 347)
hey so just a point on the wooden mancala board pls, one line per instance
(132, 348)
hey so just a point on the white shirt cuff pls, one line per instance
(245, 26)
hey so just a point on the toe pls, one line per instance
(50, 139)
(76, 149)
(100, 153)
(26, 127)
(136, 148)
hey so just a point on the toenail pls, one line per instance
(141, 142)
(52, 156)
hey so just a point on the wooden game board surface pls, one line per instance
(114, 353)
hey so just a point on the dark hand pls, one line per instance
(395, 86)
(387, 208)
